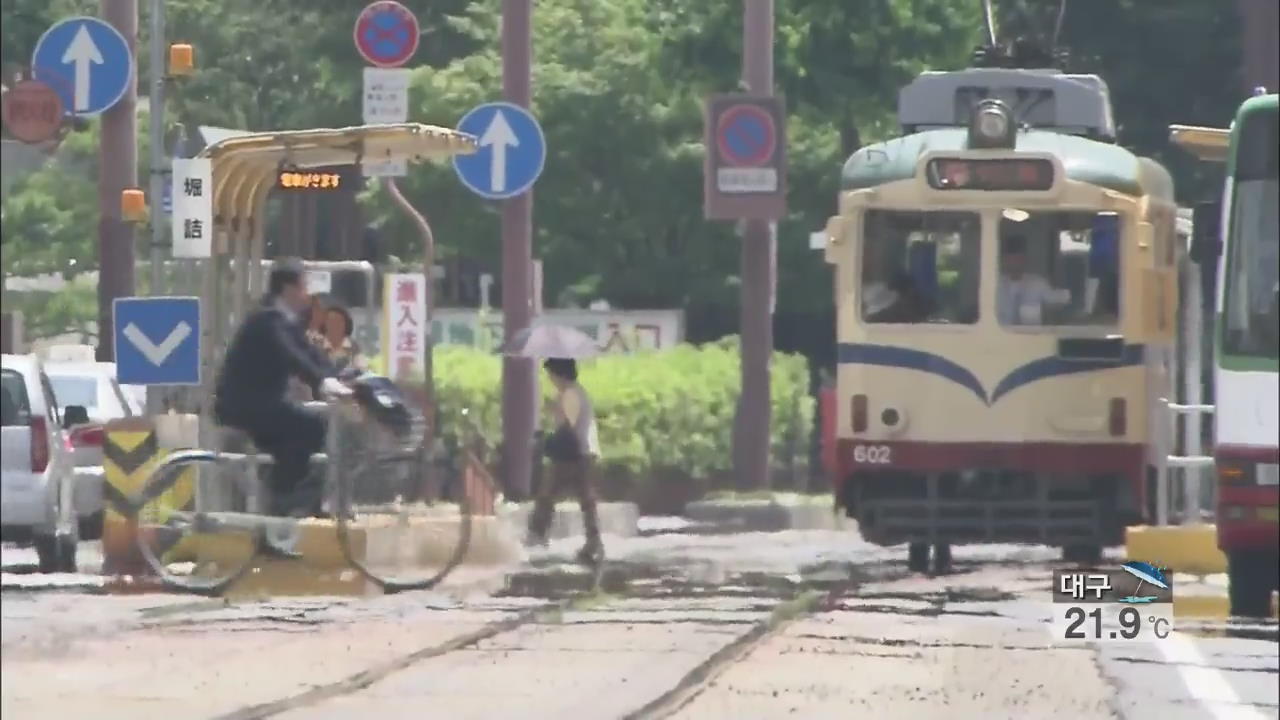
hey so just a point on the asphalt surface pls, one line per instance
(812, 624)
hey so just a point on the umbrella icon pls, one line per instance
(1145, 572)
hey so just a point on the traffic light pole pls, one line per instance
(759, 279)
(519, 379)
(117, 171)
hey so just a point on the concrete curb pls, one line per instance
(619, 519)
(1191, 549)
(428, 542)
(771, 515)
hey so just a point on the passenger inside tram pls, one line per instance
(920, 267)
(1021, 295)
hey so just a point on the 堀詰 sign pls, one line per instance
(745, 171)
(192, 199)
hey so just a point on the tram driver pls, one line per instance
(1021, 295)
(269, 348)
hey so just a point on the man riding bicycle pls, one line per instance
(252, 391)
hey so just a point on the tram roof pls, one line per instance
(1085, 160)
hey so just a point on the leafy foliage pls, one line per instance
(657, 412)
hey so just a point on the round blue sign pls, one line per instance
(86, 61)
(511, 152)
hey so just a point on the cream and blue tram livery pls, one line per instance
(1006, 295)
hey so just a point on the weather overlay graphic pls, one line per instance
(1131, 603)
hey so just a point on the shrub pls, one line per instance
(667, 412)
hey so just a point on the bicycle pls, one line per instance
(373, 481)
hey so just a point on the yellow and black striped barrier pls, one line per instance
(131, 452)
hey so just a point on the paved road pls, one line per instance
(794, 624)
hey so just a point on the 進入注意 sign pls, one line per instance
(404, 325)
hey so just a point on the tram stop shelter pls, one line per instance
(246, 168)
(1208, 144)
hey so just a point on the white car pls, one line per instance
(36, 467)
(93, 387)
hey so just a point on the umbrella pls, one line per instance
(1145, 572)
(551, 341)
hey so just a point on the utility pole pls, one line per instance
(160, 172)
(759, 278)
(117, 171)
(519, 381)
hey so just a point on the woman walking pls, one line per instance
(572, 447)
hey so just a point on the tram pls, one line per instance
(1006, 295)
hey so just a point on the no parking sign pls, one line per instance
(745, 168)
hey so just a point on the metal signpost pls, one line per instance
(386, 34)
(86, 61)
(744, 179)
(32, 112)
(192, 198)
(157, 340)
(512, 151)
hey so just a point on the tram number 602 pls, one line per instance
(872, 454)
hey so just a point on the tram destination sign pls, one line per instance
(1007, 174)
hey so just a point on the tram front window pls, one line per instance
(1058, 269)
(920, 267)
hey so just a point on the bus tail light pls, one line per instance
(858, 413)
(1117, 418)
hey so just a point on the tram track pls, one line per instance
(806, 600)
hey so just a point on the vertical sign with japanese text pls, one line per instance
(405, 325)
(192, 208)
(386, 101)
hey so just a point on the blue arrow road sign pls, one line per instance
(157, 340)
(86, 61)
(511, 153)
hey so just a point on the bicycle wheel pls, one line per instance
(398, 525)
(187, 530)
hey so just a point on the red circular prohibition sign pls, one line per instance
(746, 136)
(386, 33)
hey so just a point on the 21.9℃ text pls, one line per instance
(1132, 603)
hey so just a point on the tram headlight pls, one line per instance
(991, 125)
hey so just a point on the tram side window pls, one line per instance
(920, 267)
(1059, 269)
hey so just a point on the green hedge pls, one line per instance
(658, 412)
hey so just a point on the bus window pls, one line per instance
(920, 267)
(1253, 271)
(1059, 269)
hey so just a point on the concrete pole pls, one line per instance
(117, 171)
(519, 381)
(160, 171)
(759, 277)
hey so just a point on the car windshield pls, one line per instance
(15, 407)
(76, 390)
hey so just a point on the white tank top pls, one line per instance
(576, 405)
